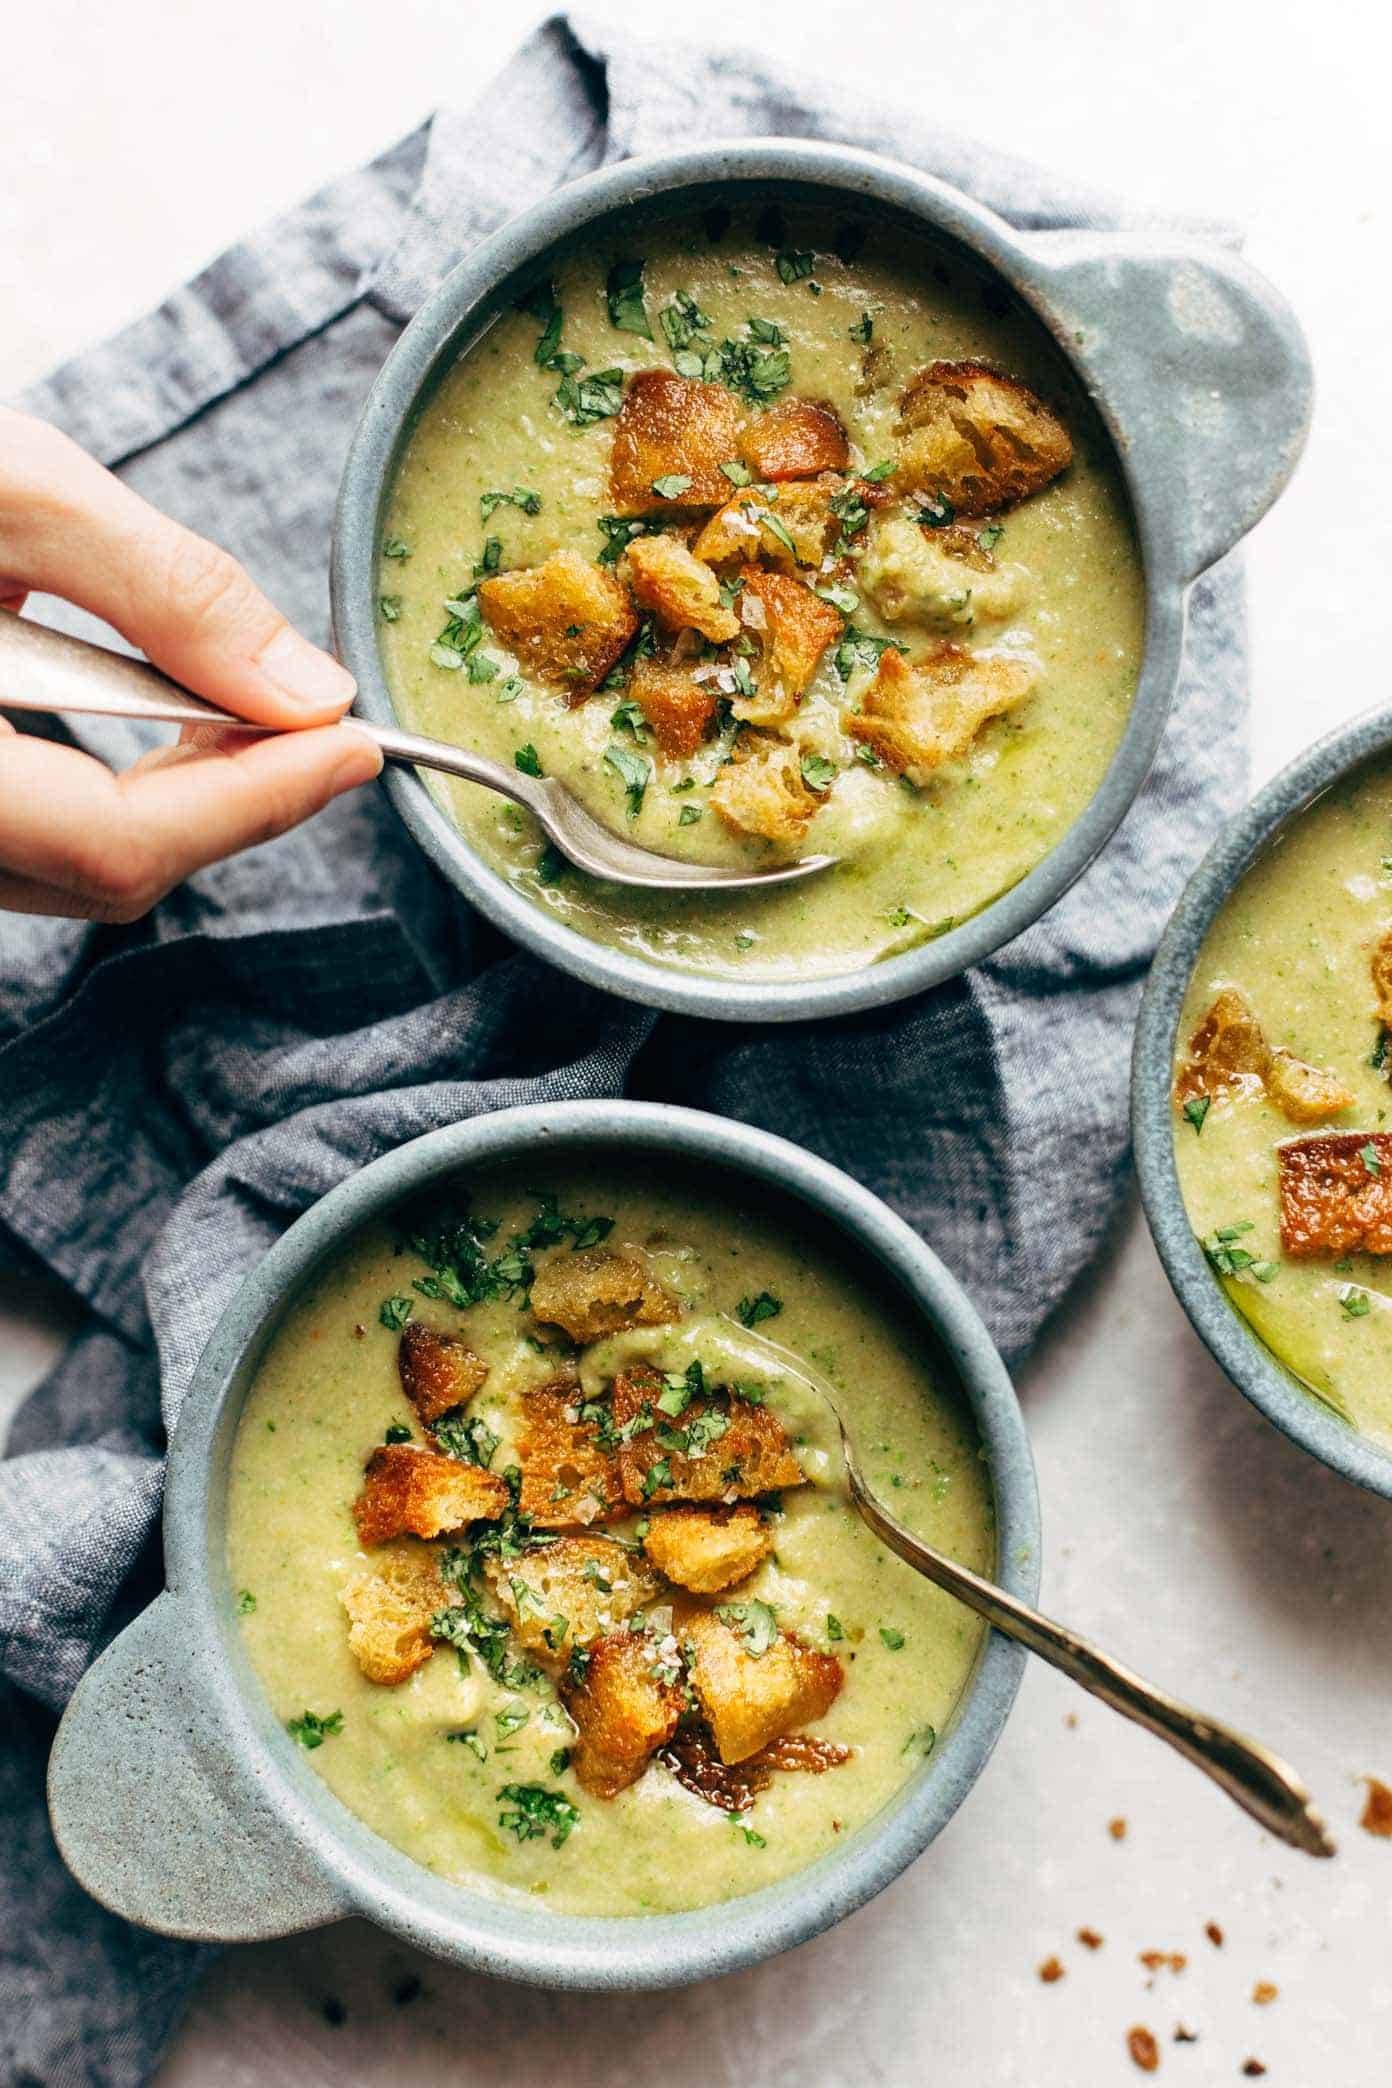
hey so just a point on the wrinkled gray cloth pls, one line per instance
(172, 1095)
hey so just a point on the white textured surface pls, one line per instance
(1180, 1529)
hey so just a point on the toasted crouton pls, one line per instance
(794, 628)
(1336, 1193)
(626, 1705)
(752, 1698)
(788, 526)
(794, 439)
(708, 1549)
(943, 578)
(1228, 1053)
(390, 1605)
(763, 792)
(598, 1292)
(563, 1595)
(438, 1371)
(716, 1449)
(566, 620)
(570, 1479)
(1382, 979)
(918, 717)
(679, 709)
(672, 427)
(680, 589)
(692, 1758)
(981, 438)
(420, 1492)
(1306, 1094)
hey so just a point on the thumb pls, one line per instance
(69, 528)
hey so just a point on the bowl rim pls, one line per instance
(436, 334)
(1272, 1388)
(382, 1883)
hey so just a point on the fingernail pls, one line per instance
(303, 673)
(360, 761)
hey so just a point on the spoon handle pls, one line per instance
(1259, 1781)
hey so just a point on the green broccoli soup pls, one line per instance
(551, 1569)
(768, 536)
(1281, 1099)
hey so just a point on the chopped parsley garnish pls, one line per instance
(755, 1622)
(471, 1440)
(491, 559)
(246, 1603)
(534, 1812)
(672, 486)
(634, 771)
(757, 367)
(990, 536)
(628, 717)
(624, 295)
(766, 519)
(681, 321)
(834, 1627)
(482, 667)
(891, 1638)
(737, 473)
(745, 941)
(396, 547)
(794, 264)
(511, 1720)
(818, 773)
(860, 649)
(1231, 1260)
(520, 497)
(755, 1840)
(878, 473)
(389, 608)
(312, 1731)
(1368, 1154)
(863, 330)
(1196, 1109)
(592, 398)
(395, 1311)
(560, 1761)
(843, 598)
(511, 689)
(750, 1311)
(659, 1474)
(527, 759)
(937, 512)
(618, 532)
(473, 1741)
(397, 1432)
(467, 1627)
(681, 1387)
(1378, 1056)
(1356, 1303)
(688, 815)
(852, 513)
(551, 865)
(924, 1736)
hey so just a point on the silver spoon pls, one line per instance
(43, 670)
(1255, 1778)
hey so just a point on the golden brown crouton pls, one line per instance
(679, 709)
(716, 1449)
(1382, 979)
(563, 1595)
(1228, 1054)
(788, 526)
(1306, 1094)
(1336, 1193)
(794, 628)
(763, 791)
(981, 438)
(598, 1292)
(692, 1758)
(420, 1492)
(795, 439)
(569, 1478)
(680, 589)
(708, 1549)
(916, 717)
(626, 1705)
(438, 1371)
(566, 620)
(944, 578)
(390, 1605)
(749, 1697)
(672, 427)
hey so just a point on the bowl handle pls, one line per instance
(153, 1813)
(1203, 369)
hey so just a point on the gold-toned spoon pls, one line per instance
(1255, 1778)
(43, 670)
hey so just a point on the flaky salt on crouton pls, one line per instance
(1306, 1094)
(566, 620)
(794, 627)
(625, 1706)
(680, 589)
(570, 1479)
(672, 428)
(763, 791)
(787, 526)
(563, 1595)
(977, 436)
(1382, 979)
(1228, 1052)
(717, 1449)
(390, 1605)
(796, 438)
(599, 1292)
(438, 1371)
(916, 717)
(421, 1493)
(1336, 1193)
(942, 578)
(707, 1549)
(679, 708)
(751, 1698)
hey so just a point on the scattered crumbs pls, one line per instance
(1050, 1971)
(1117, 1829)
(1158, 1960)
(1071, 1721)
(1089, 1939)
(1214, 1934)
(359, 1330)
(1253, 2069)
(406, 1991)
(1145, 2052)
(1183, 2035)
(1264, 1993)
(335, 2014)
(1377, 1813)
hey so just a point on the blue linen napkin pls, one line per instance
(172, 1095)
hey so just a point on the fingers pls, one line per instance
(75, 839)
(68, 527)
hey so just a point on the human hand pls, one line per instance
(76, 839)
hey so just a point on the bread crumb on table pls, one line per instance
(1377, 1813)
(1089, 1939)
(1214, 1934)
(1117, 1829)
(1145, 2052)
(1050, 1971)
(1264, 1993)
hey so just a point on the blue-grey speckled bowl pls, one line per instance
(1197, 368)
(178, 1799)
(1280, 1395)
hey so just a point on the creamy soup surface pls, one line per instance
(857, 576)
(643, 1677)
(1281, 1099)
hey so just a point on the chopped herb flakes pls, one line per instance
(471, 1440)
(246, 1603)
(395, 1311)
(1368, 1154)
(738, 1821)
(738, 474)
(818, 773)
(520, 497)
(475, 1743)
(624, 295)
(634, 771)
(765, 1306)
(396, 1432)
(589, 399)
(389, 608)
(682, 320)
(990, 536)
(860, 649)
(618, 532)
(396, 547)
(672, 486)
(688, 815)
(755, 1622)
(834, 1627)
(1356, 1303)
(937, 512)
(311, 1731)
(533, 1812)
(794, 264)
(1228, 1259)
(527, 759)
(924, 1737)
(891, 1638)
(1196, 1109)
(863, 330)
